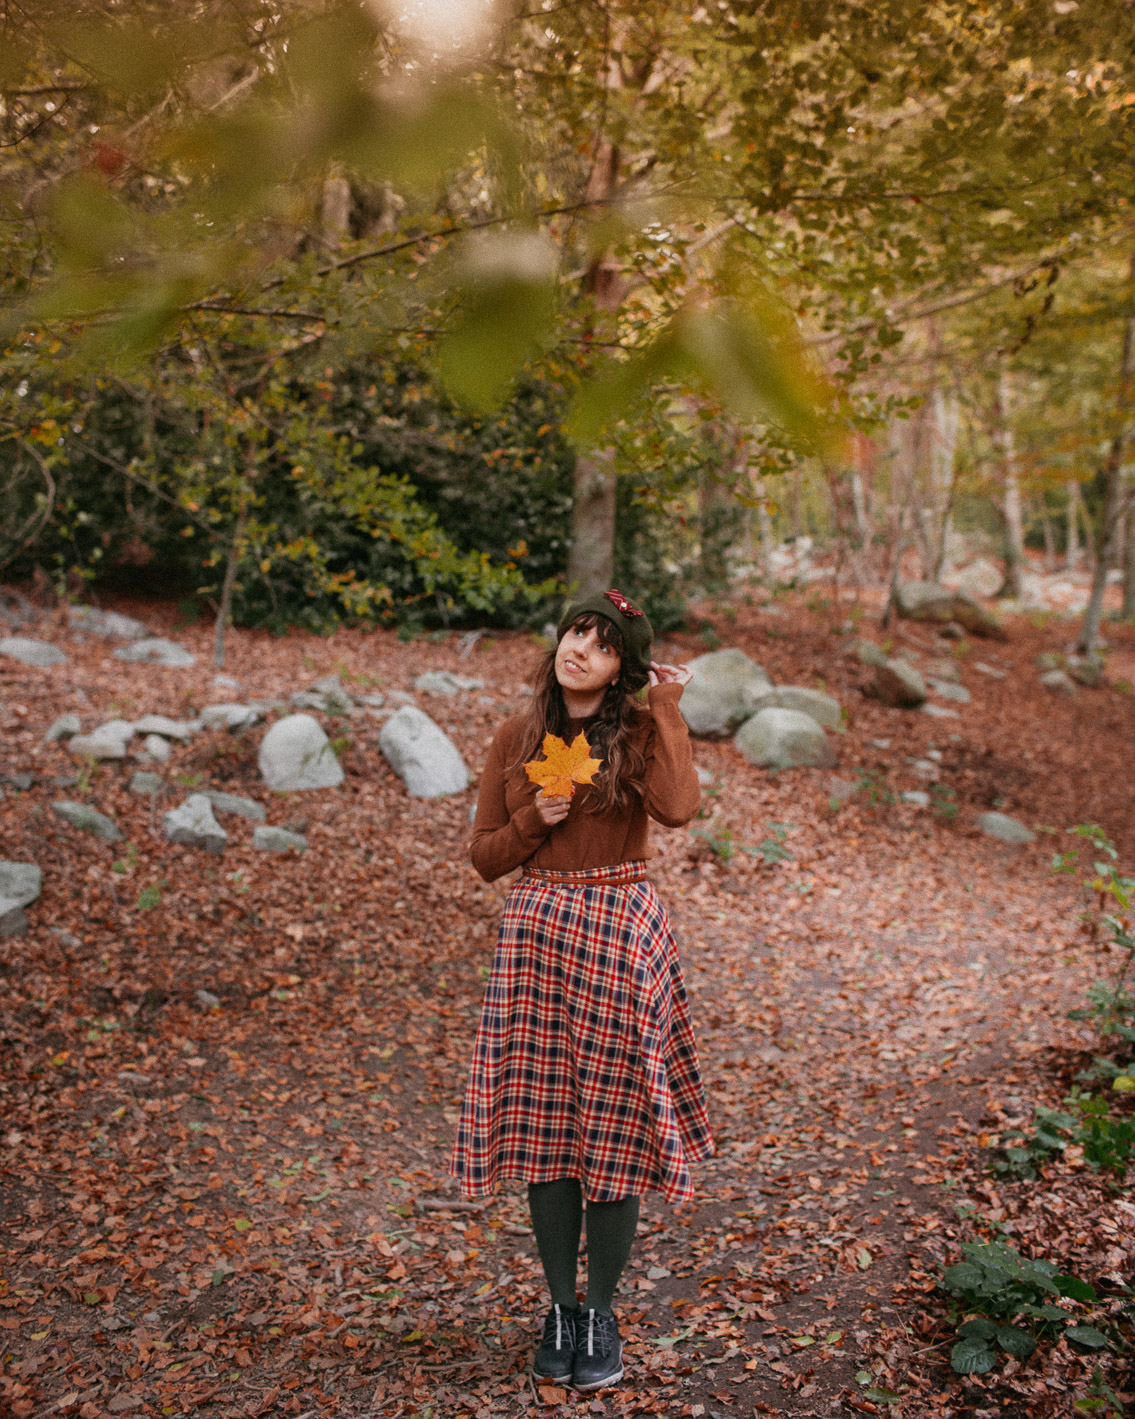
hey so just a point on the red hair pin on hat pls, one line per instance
(618, 599)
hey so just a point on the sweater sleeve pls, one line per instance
(501, 842)
(672, 793)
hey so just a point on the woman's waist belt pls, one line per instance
(619, 874)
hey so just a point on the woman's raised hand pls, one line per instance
(552, 810)
(670, 674)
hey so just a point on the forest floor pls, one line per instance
(237, 1202)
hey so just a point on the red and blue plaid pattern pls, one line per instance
(585, 1064)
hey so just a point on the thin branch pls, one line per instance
(146, 483)
(38, 520)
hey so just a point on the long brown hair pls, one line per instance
(624, 768)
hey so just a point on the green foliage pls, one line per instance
(1002, 1286)
(718, 837)
(1107, 1139)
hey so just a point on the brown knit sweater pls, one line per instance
(508, 831)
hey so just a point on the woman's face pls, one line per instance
(584, 663)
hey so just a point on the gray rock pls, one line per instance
(1086, 670)
(295, 754)
(20, 885)
(939, 712)
(403, 697)
(870, 653)
(156, 650)
(784, 739)
(326, 696)
(898, 683)
(840, 790)
(705, 778)
(947, 690)
(1059, 680)
(93, 622)
(41, 654)
(233, 803)
(1004, 828)
(945, 670)
(372, 701)
(87, 820)
(162, 724)
(207, 1000)
(720, 696)
(927, 601)
(228, 716)
(927, 769)
(65, 727)
(269, 839)
(65, 780)
(108, 741)
(22, 782)
(422, 755)
(144, 782)
(443, 682)
(1047, 661)
(226, 682)
(917, 796)
(821, 707)
(990, 670)
(157, 748)
(193, 825)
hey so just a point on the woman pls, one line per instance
(585, 1081)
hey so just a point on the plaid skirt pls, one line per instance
(584, 1064)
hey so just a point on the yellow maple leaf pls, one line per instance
(562, 767)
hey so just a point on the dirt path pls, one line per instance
(234, 1203)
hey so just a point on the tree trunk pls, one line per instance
(1072, 537)
(1049, 538)
(591, 560)
(591, 565)
(1108, 536)
(943, 464)
(228, 586)
(1128, 609)
(1011, 504)
(764, 530)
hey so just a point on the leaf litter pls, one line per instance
(229, 1083)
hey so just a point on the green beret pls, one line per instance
(635, 628)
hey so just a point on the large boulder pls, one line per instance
(927, 601)
(295, 755)
(422, 755)
(156, 650)
(20, 885)
(822, 708)
(721, 695)
(899, 684)
(106, 623)
(784, 739)
(194, 825)
(41, 654)
(65, 727)
(87, 820)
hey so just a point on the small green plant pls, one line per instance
(710, 639)
(718, 837)
(871, 786)
(1101, 1399)
(943, 802)
(88, 772)
(772, 849)
(127, 863)
(1021, 1155)
(340, 744)
(1002, 1286)
(150, 897)
(189, 780)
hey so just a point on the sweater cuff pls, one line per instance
(529, 825)
(659, 695)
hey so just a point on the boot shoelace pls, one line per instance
(599, 1328)
(562, 1326)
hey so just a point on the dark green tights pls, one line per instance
(557, 1219)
